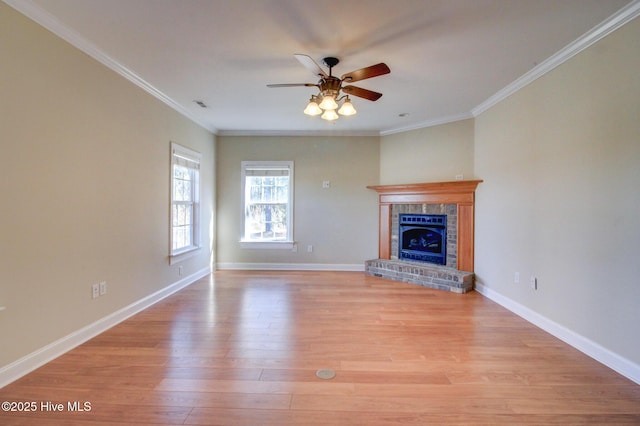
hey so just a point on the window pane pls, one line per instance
(268, 189)
(182, 237)
(183, 184)
(266, 221)
(174, 215)
(177, 242)
(183, 214)
(179, 171)
(187, 236)
(187, 193)
(266, 201)
(180, 215)
(177, 190)
(188, 214)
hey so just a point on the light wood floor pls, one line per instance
(242, 348)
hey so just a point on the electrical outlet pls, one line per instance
(180, 270)
(459, 177)
(95, 291)
(534, 282)
(516, 277)
(309, 249)
(103, 288)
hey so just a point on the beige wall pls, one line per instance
(340, 223)
(432, 154)
(560, 200)
(84, 185)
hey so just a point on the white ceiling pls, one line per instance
(449, 58)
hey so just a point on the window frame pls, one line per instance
(186, 157)
(245, 242)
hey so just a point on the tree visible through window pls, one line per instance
(267, 195)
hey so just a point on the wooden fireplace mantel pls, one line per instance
(459, 192)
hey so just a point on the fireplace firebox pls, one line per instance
(423, 238)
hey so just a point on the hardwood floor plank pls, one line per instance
(243, 386)
(357, 377)
(499, 392)
(262, 401)
(243, 347)
(574, 405)
(386, 404)
(215, 417)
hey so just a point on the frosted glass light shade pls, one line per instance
(312, 109)
(328, 102)
(329, 115)
(347, 108)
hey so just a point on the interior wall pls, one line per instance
(432, 154)
(341, 223)
(560, 201)
(85, 188)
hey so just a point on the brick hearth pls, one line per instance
(432, 276)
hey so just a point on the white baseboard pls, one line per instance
(292, 266)
(601, 354)
(28, 363)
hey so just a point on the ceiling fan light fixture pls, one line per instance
(328, 103)
(329, 115)
(333, 99)
(312, 107)
(347, 108)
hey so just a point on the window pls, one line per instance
(267, 199)
(185, 201)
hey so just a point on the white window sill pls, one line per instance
(183, 255)
(269, 245)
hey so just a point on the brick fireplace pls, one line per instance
(455, 200)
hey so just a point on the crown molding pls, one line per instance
(600, 31)
(296, 133)
(46, 20)
(429, 123)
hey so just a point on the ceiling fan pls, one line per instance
(327, 100)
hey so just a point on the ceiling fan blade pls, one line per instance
(292, 85)
(310, 64)
(362, 93)
(368, 72)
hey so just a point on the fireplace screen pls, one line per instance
(423, 237)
